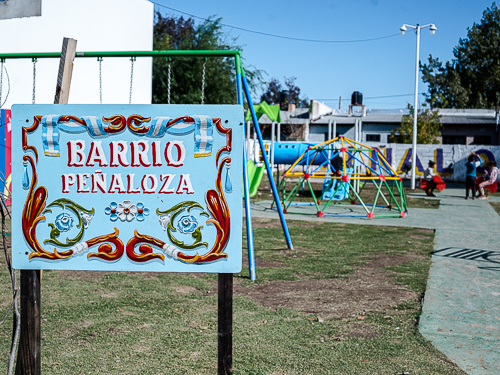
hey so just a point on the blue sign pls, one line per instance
(127, 187)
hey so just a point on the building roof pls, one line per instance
(467, 116)
(387, 116)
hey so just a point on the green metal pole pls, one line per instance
(200, 53)
(393, 197)
(313, 195)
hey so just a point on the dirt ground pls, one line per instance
(369, 289)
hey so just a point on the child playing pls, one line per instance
(470, 176)
(429, 178)
(489, 179)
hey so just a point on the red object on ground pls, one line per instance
(492, 188)
(320, 214)
(403, 214)
(370, 215)
(436, 183)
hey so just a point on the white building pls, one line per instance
(97, 25)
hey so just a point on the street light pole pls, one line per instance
(415, 106)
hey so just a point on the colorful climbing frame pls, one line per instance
(350, 173)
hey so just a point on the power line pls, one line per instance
(280, 36)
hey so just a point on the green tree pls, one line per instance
(274, 87)
(472, 78)
(186, 73)
(272, 93)
(428, 127)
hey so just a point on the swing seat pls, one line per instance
(492, 188)
(437, 182)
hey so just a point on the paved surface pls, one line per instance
(461, 312)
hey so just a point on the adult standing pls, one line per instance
(473, 161)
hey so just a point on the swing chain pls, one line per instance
(100, 79)
(203, 81)
(169, 79)
(132, 59)
(34, 59)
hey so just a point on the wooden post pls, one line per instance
(225, 324)
(28, 355)
(65, 71)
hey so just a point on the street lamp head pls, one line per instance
(433, 29)
(403, 29)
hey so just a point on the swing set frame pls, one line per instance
(29, 350)
(242, 90)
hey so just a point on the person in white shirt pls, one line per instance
(429, 178)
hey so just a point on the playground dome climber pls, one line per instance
(352, 175)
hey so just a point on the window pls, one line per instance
(482, 140)
(454, 140)
(373, 137)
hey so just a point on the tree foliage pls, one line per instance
(472, 78)
(186, 73)
(274, 87)
(272, 93)
(428, 127)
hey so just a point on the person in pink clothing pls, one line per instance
(489, 179)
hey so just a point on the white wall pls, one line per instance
(97, 25)
(20, 8)
(443, 155)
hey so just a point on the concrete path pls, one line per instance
(461, 312)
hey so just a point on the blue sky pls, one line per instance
(383, 70)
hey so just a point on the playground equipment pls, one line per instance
(436, 183)
(255, 175)
(491, 188)
(242, 89)
(347, 168)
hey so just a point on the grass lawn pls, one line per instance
(346, 301)
(496, 206)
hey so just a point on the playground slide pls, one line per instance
(254, 177)
(341, 194)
